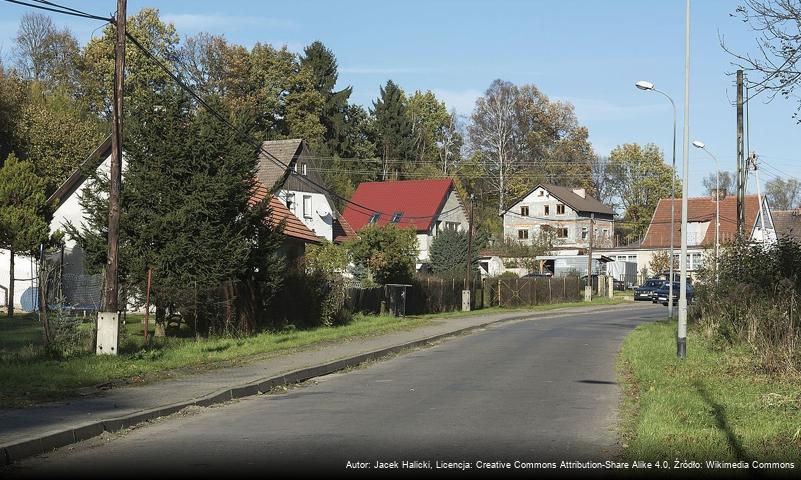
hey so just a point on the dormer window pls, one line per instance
(396, 217)
(374, 218)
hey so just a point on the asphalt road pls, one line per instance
(531, 390)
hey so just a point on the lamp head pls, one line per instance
(698, 144)
(643, 85)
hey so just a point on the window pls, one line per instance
(560, 209)
(561, 233)
(307, 206)
(547, 210)
(303, 169)
(584, 233)
(396, 217)
(374, 218)
(606, 233)
(524, 211)
(290, 202)
(522, 234)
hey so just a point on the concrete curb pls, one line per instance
(17, 450)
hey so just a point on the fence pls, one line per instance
(518, 292)
(426, 295)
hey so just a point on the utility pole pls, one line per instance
(108, 320)
(588, 287)
(741, 166)
(467, 292)
(681, 337)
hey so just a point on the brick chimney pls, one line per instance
(580, 192)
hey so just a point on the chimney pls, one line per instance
(580, 192)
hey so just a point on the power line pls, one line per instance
(53, 7)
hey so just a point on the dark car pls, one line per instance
(619, 285)
(661, 294)
(647, 289)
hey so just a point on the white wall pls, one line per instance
(320, 219)
(24, 270)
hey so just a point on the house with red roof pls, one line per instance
(700, 231)
(428, 206)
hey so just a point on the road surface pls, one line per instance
(532, 391)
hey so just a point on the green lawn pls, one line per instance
(29, 377)
(714, 405)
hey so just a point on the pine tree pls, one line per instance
(394, 130)
(449, 254)
(23, 213)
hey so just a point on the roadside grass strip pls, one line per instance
(717, 404)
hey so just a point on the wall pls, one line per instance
(321, 219)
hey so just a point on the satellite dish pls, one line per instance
(30, 299)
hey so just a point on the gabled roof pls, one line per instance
(570, 198)
(90, 164)
(699, 209)
(342, 230)
(418, 201)
(787, 223)
(293, 227)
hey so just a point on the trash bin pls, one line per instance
(395, 294)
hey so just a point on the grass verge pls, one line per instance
(29, 377)
(714, 405)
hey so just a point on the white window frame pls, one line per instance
(307, 207)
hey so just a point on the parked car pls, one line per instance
(619, 285)
(661, 294)
(538, 275)
(647, 289)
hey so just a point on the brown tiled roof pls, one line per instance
(699, 209)
(293, 227)
(787, 223)
(342, 230)
(570, 198)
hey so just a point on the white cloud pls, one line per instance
(217, 21)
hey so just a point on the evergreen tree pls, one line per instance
(449, 254)
(23, 213)
(323, 66)
(394, 130)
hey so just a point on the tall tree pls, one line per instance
(430, 121)
(726, 181)
(23, 213)
(783, 194)
(322, 64)
(13, 97)
(639, 178)
(394, 130)
(45, 53)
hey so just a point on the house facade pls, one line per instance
(429, 206)
(700, 232)
(301, 188)
(565, 212)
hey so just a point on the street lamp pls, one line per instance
(648, 86)
(699, 144)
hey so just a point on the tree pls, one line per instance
(726, 184)
(23, 213)
(775, 69)
(449, 254)
(394, 130)
(327, 258)
(322, 64)
(660, 262)
(434, 130)
(388, 253)
(639, 178)
(46, 54)
(783, 194)
(13, 97)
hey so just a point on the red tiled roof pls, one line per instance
(419, 201)
(699, 209)
(293, 227)
(342, 230)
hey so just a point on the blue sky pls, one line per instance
(587, 52)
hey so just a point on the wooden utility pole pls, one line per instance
(741, 167)
(115, 180)
(469, 269)
(108, 319)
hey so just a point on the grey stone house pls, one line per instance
(565, 212)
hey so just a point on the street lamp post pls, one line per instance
(699, 144)
(648, 86)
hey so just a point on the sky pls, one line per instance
(589, 53)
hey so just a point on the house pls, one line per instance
(429, 206)
(787, 224)
(69, 210)
(566, 212)
(700, 231)
(301, 189)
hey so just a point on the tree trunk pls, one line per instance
(11, 285)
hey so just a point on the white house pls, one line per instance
(429, 206)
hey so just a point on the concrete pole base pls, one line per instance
(681, 347)
(465, 300)
(588, 293)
